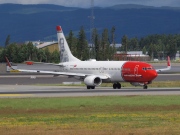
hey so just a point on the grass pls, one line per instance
(54, 103)
(129, 115)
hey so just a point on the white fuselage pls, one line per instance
(112, 69)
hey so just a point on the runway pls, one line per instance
(27, 91)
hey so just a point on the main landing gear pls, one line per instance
(90, 87)
(116, 86)
(145, 86)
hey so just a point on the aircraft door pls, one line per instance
(101, 70)
(136, 71)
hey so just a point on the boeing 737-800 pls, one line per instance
(93, 73)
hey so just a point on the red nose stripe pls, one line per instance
(129, 71)
(135, 71)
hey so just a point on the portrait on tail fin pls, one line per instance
(65, 52)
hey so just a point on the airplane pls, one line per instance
(94, 73)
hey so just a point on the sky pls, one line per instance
(100, 3)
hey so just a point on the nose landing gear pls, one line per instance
(116, 86)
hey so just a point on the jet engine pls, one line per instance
(92, 81)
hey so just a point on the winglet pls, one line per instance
(8, 63)
(168, 66)
(168, 62)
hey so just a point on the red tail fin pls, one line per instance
(58, 28)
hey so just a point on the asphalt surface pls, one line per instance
(24, 91)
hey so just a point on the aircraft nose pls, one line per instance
(154, 74)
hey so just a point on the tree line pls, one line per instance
(156, 46)
(27, 52)
(100, 47)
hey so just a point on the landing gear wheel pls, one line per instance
(116, 86)
(145, 86)
(90, 87)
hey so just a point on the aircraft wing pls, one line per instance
(56, 73)
(59, 64)
(167, 68)
(62, 73)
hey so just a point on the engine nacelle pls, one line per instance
(137, 84)
(93, 81)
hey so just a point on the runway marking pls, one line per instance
(14, 95)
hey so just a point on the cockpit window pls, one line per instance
(147, 68)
